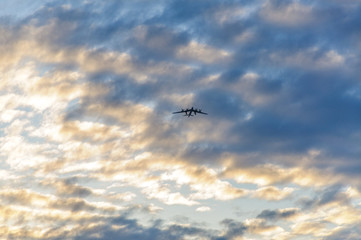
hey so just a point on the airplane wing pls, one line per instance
(203, 113)
(178, 112)
(182, 111)
(200, 111)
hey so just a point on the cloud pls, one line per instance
(232, 13)
(123, 228)
(349, 233)
(68, 187)
(203, 209)
(258, 226)
(127, 196)
(22, 197)
(26, 207)
(167, 197)
(317, 229)
(289, 14)
(313, 59)
(205, 183)
(48, 208)
(157, 41)
(234, 229)
(273, 193)
(272, 174)
(88, 143)
(200, 52)
(89, 131)
(274, 215)
(328, 196)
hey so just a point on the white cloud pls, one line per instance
(203, 209)
(170, 198)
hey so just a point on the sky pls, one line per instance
(90, 149)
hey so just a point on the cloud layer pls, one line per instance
(89, 148)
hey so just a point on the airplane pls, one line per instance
(188, 112)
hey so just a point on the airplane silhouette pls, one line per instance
(188, 112)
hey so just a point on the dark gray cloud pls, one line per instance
(156, 42)
(274, 215)
(304, 123)
(333, 194)
(67, 187)
(221, 104)
(233, 229)
(131, 229)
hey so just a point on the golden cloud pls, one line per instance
(269, 174)
(272, 193)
